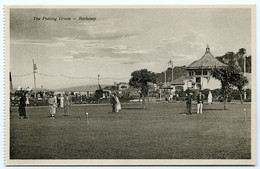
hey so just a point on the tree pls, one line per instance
(140, 79)
(248, 64)
(223, 74)
(241, 52)
(237, 58)
(229, 58)
(238, 80)
(230, 76)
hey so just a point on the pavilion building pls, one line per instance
(199, 72)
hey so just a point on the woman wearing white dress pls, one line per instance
(61, 101)
(52, 105)
(118, 104)
(27, 100)
(210, 97)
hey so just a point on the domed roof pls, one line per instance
(206, 61)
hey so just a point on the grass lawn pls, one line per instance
(161, 131)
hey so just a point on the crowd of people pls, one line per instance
(116, 105)
(64, 101)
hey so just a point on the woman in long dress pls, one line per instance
(210, 97)
(118, 104)
(27, 100)
(61, 101)
(52, 105)
(22, 104)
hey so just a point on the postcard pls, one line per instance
(130, 85)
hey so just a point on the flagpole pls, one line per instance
(11, 82)
(34, 79)
(165, 79)
(202, 77)
(245, 75)
(98, 80)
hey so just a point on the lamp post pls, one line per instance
(171, 63)
(34, 71)
(244, 75)
(165, 78)
(201, 77)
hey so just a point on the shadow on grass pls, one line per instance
(134, 108)
(193, 113)
(214, 109)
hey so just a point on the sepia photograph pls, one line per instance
(130, 85)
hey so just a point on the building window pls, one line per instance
(179, 88)
(198, 79)
(190, 73)
(205, 72)
(189, 84)
(198, 72)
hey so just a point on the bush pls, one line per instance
(247, 100)
(125, 98)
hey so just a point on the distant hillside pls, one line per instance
(177, 72)
(90, 88)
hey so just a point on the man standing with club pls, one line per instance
(188, 103)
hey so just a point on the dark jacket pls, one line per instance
(200, 98)
(22, 101)
(113, 100)
(188, 99)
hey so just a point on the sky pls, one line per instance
(118, 42)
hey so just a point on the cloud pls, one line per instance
(119, 47)
(60, 57)
(48, 43)
(68, 60)
(187, 47)
(122, 49)
(131, 52)
(129, 62)
(106, 29)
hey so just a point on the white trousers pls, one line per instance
(53, 110)
(199, 108)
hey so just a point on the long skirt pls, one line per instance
(22, 111)
(118, 107)
(66, 110)
(61, 103)
(210, 100)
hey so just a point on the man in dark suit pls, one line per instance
(188, 103)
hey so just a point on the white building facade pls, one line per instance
(199, 72)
